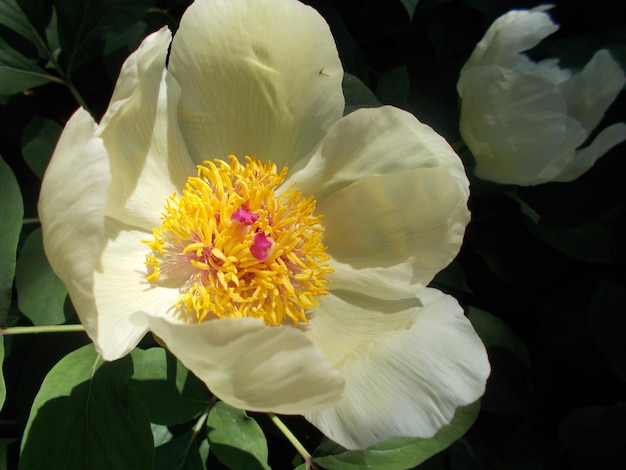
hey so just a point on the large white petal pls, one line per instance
(512, 33)
(370, 142)
(590, 92)
(71, 209)
(121, 289)
(399, 229)
(252, 366)
(147, 155)
(407, 367)
(259, 78)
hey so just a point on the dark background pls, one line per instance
(556, 397)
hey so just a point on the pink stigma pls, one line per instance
(261, 246)
(244, 216)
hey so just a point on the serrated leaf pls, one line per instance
(17, 73)
(38, 142)
(83, 25)
(170, 393)
(236, 439)
(40, 293)
(401, 453)
(11, 213)
(86, 417)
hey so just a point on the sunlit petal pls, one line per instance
(258, 78)
(408, 365)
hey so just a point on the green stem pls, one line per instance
(64, 77)
(293, 439)
(32, 220)
(77, 96)
(25, 330)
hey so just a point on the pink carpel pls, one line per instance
(261, 246)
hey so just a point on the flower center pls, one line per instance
(235, 248)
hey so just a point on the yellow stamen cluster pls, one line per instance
(236, 248)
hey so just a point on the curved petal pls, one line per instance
(586, 157)
(259, 78)
(252, 366)
(121, 289)
(514, 32)
(71, 209)
(147, 154)
(370, 142)
(514, 123)
(403, 228)
(590, 92)
(407, 367)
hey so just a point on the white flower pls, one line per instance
(209, 257)
(525, 121)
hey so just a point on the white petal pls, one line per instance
(514, 123)
(259, 78)
(148, 158)
(407, 367)
(71, 209)
(121, 289)
(370, 142)
(414, 219)
(586, 157)
(575, 135)
(590, 92)
(252, 366)
(512, 33)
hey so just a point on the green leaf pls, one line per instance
(236, 439)
(17, 73)
(38, 142)
(452, 280)
(40, 293)
(597, 241)
(11, 213)
(595, 430)
(4, 444)
(394, 86)
(410, 6)
(86, 417)
(494, 332)
(181, 453)
(607, 323)
(84, 25)
(3, 388)
(508, 391)
(400, 453)
(170, 393)
(13, 17)
(357, 94)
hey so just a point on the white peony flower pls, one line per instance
(292, 277)
(525, 121)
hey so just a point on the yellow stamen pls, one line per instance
(238, 249)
